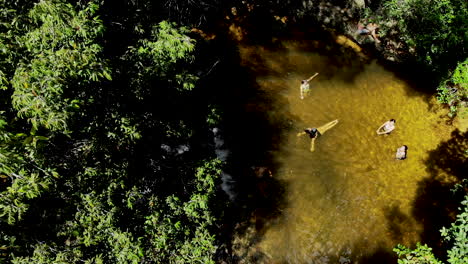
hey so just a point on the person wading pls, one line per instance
(305, 86)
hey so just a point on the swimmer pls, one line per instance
(387, 127)
(401, 152)
(305, 86)
(314, 133)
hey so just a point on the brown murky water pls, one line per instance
(341, 198)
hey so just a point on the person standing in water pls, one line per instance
(401, 152)
(314, 133)
(305, 86)
(387, 127)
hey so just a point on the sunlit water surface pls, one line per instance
(340, 199)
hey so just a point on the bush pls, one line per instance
(434, 31)
(456, 234)
(454, 91)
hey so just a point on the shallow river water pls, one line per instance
(350, 198)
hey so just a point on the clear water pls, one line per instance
(349, 198)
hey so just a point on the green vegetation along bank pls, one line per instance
(107, 110)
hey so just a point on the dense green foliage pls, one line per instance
(106, 152)
(434, 32)
(456, 236)
(19, 161)
(454, 91)
(430, 28)
(422, 254)
(92, 139)
(59, 52)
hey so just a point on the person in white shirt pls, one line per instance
(387, 127)
(401, 152)
(305, 86)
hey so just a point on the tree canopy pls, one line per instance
(92, 141)
(106, 116)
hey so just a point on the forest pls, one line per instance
(116, 117)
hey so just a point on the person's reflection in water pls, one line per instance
(314, 133)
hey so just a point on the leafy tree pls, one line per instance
(160, 57)
(179, 231)
(19, 163)
(87, 180)
(435, 30)
(454, 91)
(421, 255)
(457, 235)
(13, 21)
(92, 226)
(60, 52)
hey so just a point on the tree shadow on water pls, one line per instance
(381, 255)
(419, 81)
(398, 223)
(436, 203)
(364, 252)
(260, 195)
(342, 61)
(254, 124)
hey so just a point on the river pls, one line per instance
(349, 201)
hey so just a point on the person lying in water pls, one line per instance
(401, 152)
(387, 127)
(314, 133)
(305, 86)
